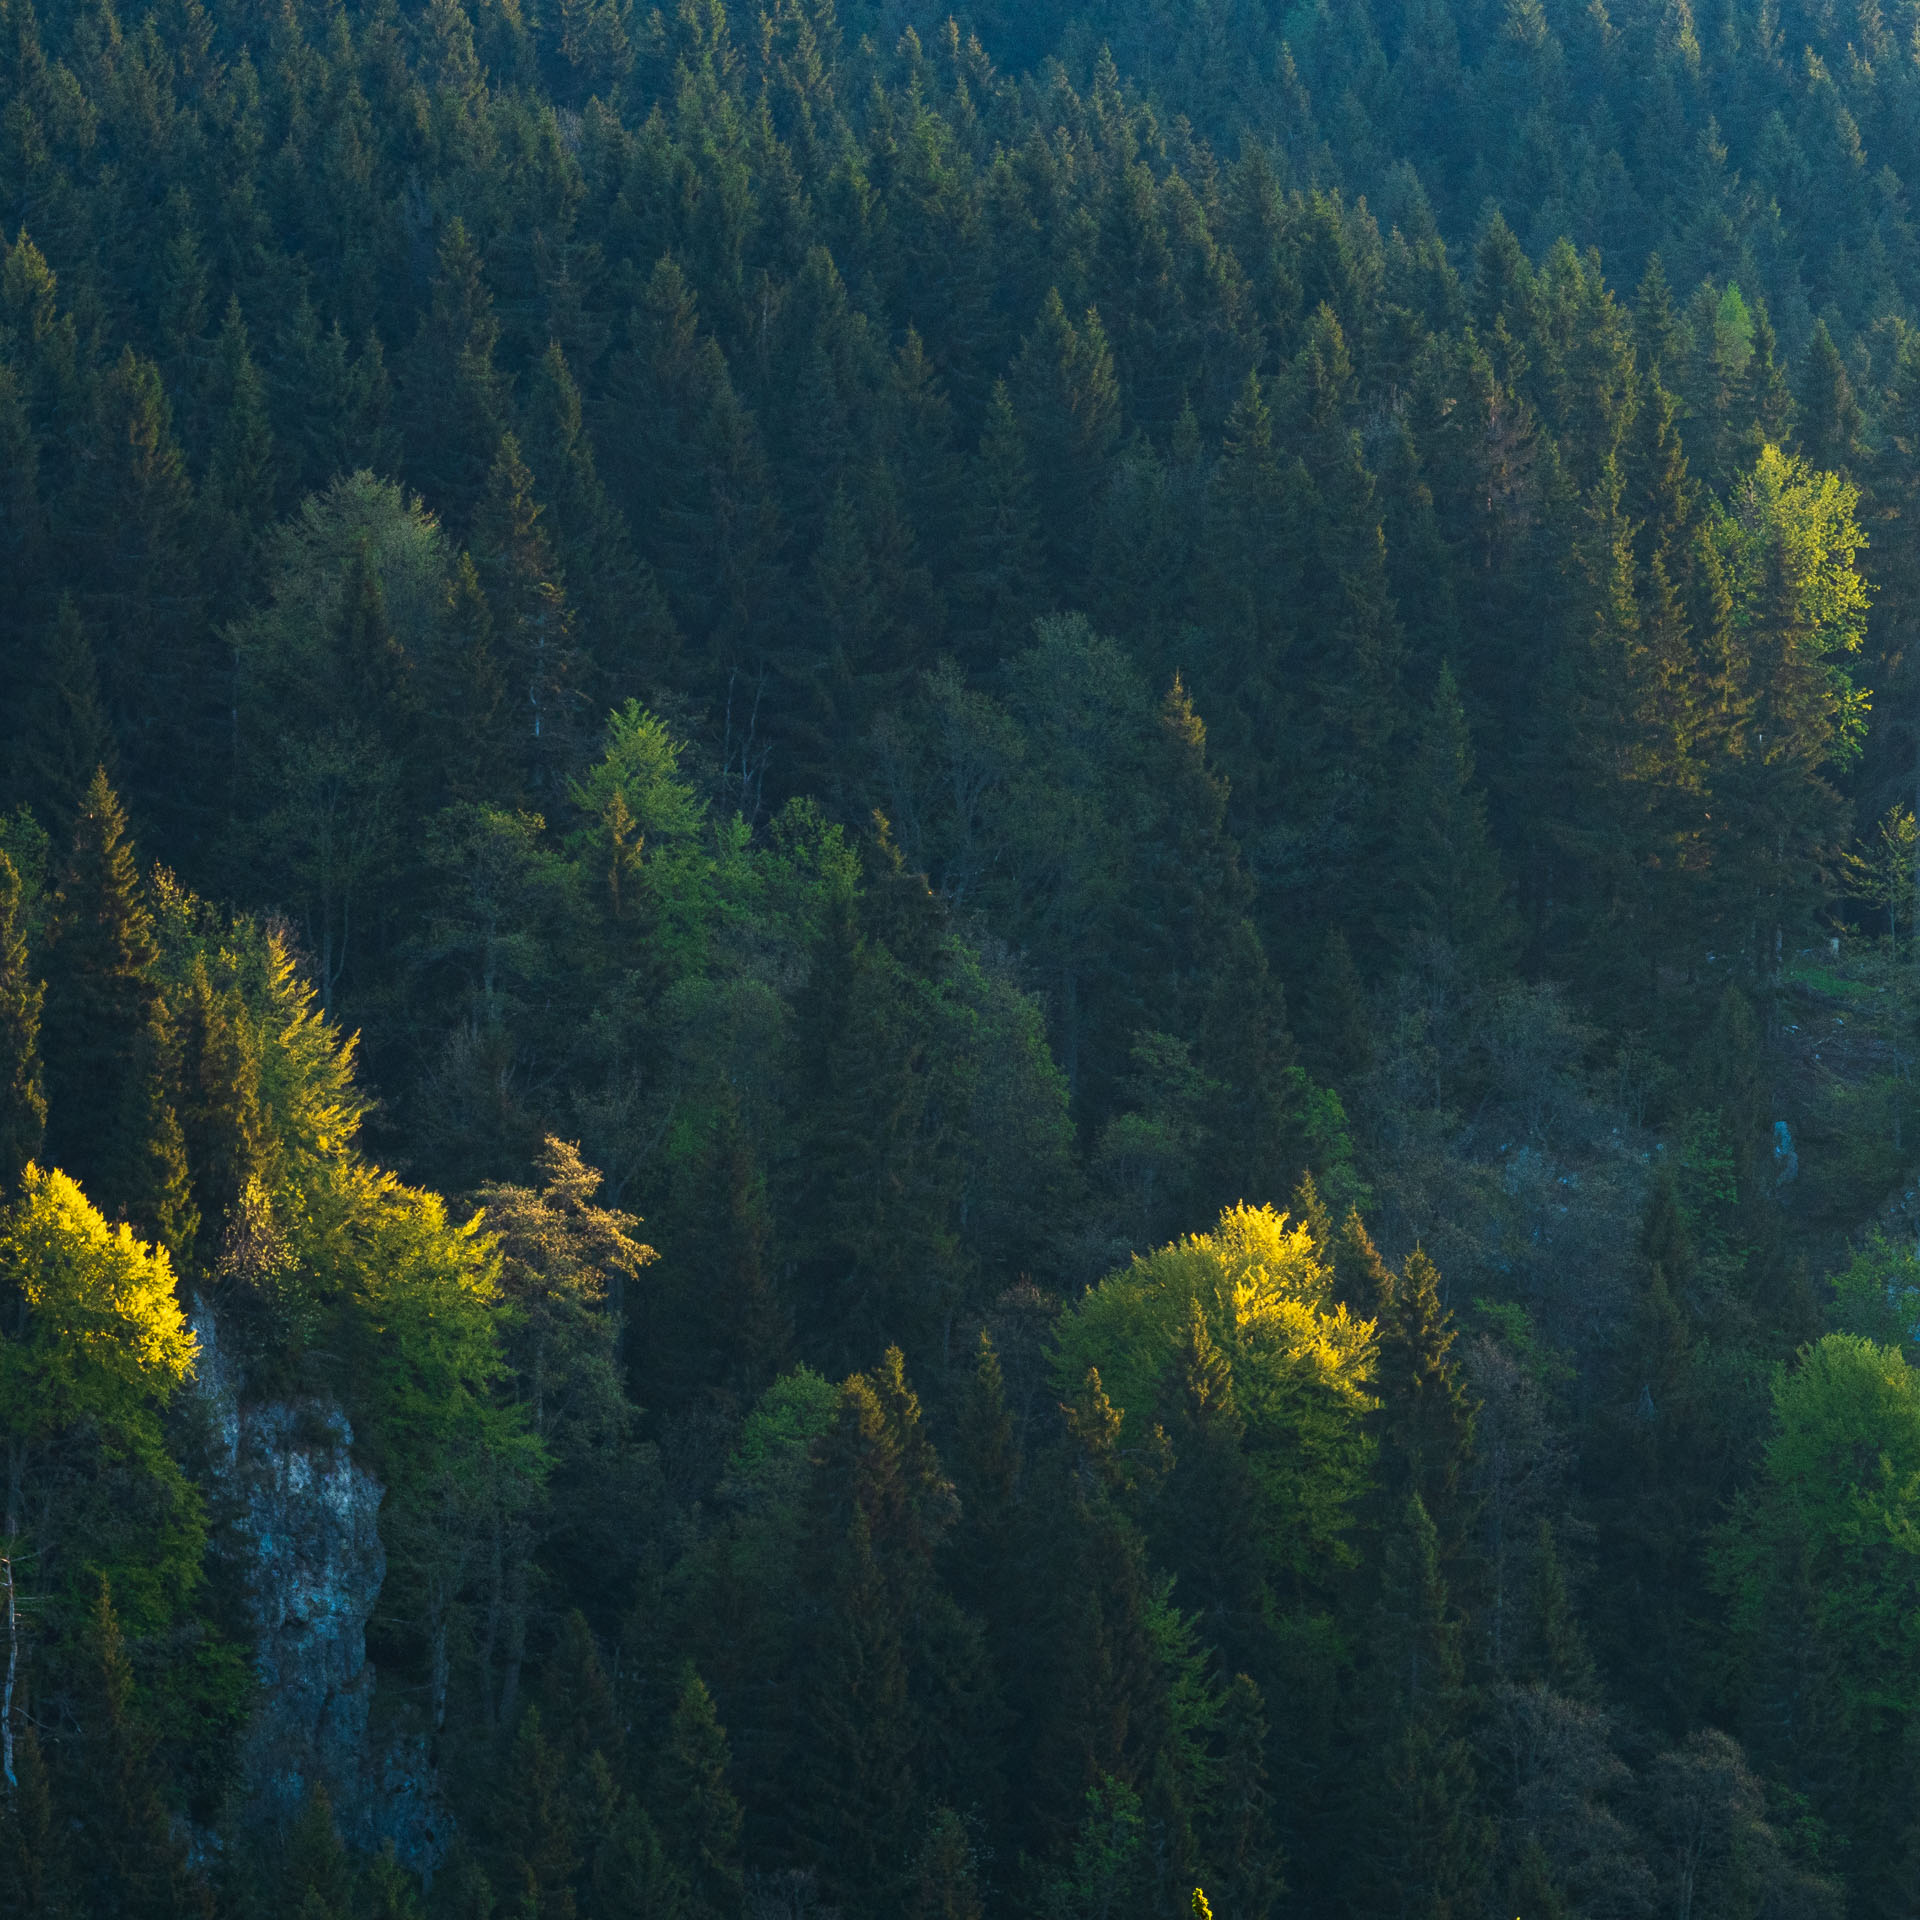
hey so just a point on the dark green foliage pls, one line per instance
(129, 1858)
(101, 956)
(694, 1805)
(506, 493)
(23, 1095)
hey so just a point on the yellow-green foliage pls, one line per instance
(92, 1342)
(1301, 1365)
(103, 1328)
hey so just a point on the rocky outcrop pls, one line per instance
(300, 1518)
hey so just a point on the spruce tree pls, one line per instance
(23, 1093)
(127, 1856)
(1426, 1416)
(1422, 1841)
(1244, 1865)
(1832, 425)
(694, 1806)
(452, 394)
(1361, 1279)
(63, 731)
(534, 1836)
(318, 1877)
(946, 1885)
(150, 1170)
(999, 587)
(101, 957)
(1450, 878)
(1069, 403)
(532, 624)
(1206, 1526)
(33, 1865)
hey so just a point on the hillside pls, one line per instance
(959, 968)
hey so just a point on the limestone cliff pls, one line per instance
(300, 1518)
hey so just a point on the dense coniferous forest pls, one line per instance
(959, 968)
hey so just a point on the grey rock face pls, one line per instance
(303, 1520)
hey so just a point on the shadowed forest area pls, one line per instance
(959, 967)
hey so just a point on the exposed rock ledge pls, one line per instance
(302, 1518)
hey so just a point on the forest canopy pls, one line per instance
(958, 965)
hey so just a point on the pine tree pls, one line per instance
(100, 992)
(694, 1805)
(23, 1093)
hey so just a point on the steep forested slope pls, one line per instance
(1025, 906)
